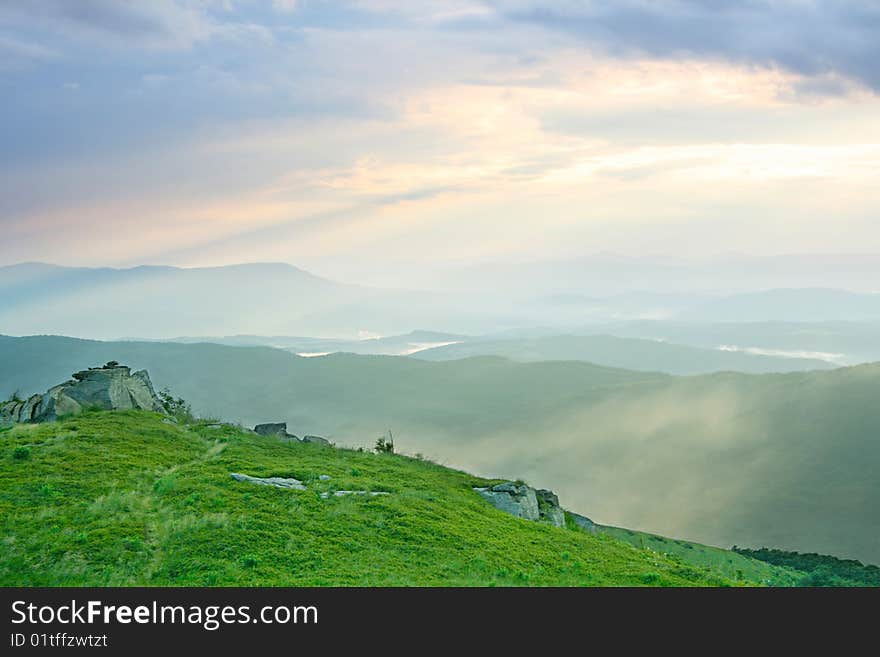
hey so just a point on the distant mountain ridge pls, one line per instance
(628, 353)
(159, 302)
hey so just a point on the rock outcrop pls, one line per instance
(279, 430)
(516, 499)
(276, 429)
(549, 509)
(111, 387)
(296, 484)
(525, 502)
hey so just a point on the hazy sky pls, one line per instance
(379, 133)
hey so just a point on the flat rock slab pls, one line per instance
(277, 482)
(343, 493)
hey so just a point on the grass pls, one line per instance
(771, 460)
(124, 498)
(726, 562)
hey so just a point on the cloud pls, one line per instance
(17, 52)
(238, 127)
(158, 23)
(811, 38)
(285, 5)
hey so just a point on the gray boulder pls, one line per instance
(18, 410)
(524, 501)
(111, 387)
(548, 507)
(272, 429)
(516, 499)
(279, 430)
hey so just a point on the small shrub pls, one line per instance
(385, 446)
(21, 453)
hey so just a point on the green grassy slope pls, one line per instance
(782, 460)
(728, 563)
(123, 498)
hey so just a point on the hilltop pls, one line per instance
(131, 497)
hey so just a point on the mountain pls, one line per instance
(135, 500)
(272, 299)
(265, 298)
(111, 302)
(629, 353)
(778, 460)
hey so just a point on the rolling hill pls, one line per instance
(628, 353)
(778, 460)
(124, 499)
(842, 343)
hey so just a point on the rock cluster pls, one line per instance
(525, 502)
(296, 484)
(111, 387)
(279, 430)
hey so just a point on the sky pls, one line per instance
(350, 136)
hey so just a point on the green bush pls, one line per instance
(21, 453)
(385, 446)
